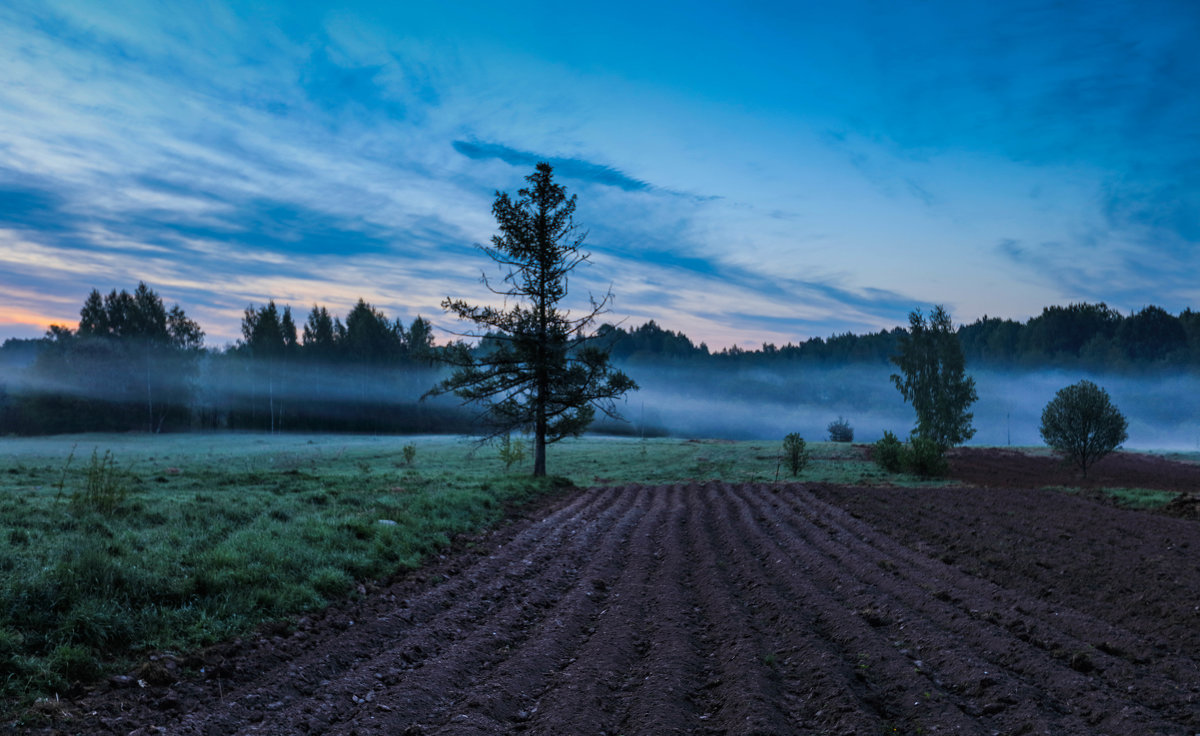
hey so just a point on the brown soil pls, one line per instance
(1013, 469)
(753, 609)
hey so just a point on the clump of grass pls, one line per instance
(1142, 498)
(104, 486)
(1134, 498)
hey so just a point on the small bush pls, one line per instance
(795, 453)
(840, 431)
(924, 458)
(410, 453)
(511, 451)
(888, 453)
(919, 456)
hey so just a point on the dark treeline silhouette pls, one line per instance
(131, 364)
(1091, 336)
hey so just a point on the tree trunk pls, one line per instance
(149, 396)
(539, 444)
(149, 401)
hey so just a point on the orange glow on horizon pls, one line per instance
(10, 315)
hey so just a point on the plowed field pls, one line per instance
(741, 609)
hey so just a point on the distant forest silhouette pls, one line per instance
(133, 365)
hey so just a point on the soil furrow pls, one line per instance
(897, 603)
(587, 693)
(974, 630)
(419, 680)
(801, 590)
(657, 698)
(743, 692)
(1074, 543)
(494, 702)
(1111, 656)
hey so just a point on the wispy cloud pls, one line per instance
(571, 168)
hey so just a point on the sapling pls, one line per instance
(795, 453)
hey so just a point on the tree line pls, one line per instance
(1081, 335)
(131, 364)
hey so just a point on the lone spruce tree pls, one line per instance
(934, 379)
(536, 368)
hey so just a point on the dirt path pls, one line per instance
(739, 609)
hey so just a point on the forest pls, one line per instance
(132, 364)
(1082, 335)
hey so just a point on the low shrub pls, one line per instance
(888, 453)
(511, 451)
(919, 456)
(924, 458)
(840, 431)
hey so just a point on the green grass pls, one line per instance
(1141, 498)
(1133, 498)
(169, 543)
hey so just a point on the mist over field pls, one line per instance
(252, 380)
(682, 399)
(1162, 409)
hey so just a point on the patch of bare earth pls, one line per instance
(753, 609)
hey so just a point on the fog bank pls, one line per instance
(767, 404)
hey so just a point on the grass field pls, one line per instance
(113, 546)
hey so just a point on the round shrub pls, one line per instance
(1081, 424)
(840, 431)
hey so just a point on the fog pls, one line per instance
(682, 400)
(244, 380)
(218, 393)
(768, 404)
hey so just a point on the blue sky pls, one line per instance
(747, 172)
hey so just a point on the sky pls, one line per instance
(746, 172)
